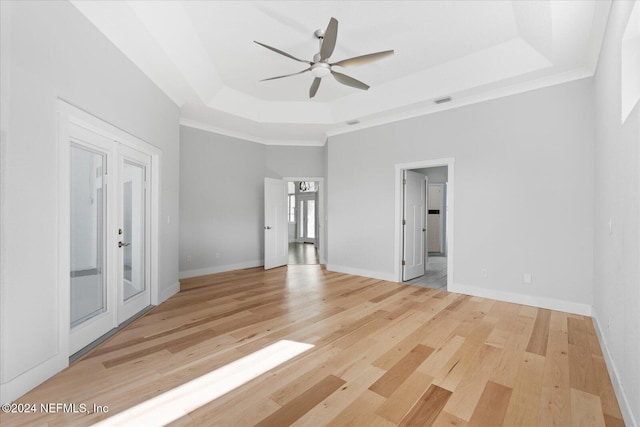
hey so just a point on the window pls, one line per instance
(291, 191)
(292, 208)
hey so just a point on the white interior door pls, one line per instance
(427, 229)
(276, 242)
(91, 302)
(133, 232)
(414, 229)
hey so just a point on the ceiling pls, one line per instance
(203, 56)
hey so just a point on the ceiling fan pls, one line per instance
(321, 67)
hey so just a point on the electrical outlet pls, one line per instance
(610, 226)
(484, 273)
(188, 257)
(217, 254)
(527, 278)
(608, 322)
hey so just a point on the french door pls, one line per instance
(133, 232)
(109, 226)
(307, 219)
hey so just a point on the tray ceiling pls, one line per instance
(203, 56)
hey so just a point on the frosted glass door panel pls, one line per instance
(133, 238)
(88, 285)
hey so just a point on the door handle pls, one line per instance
(121, 244)
(267, 227)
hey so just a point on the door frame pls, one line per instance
(69, 114)
(321, 235)
(397, 250)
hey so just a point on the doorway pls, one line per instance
(108, 219)
(424, 212)
(293, 230)
(303, 235)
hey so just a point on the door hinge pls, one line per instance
(404, 222)
(404, 181)
(404, 262)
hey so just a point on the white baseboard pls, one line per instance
(169, 292)
(541, 302)
(625, 407)
(13, 389)
(219, 269)
(361, 272)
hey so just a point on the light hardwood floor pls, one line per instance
(303, 253)
(384, 354)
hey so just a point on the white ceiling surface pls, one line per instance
(202, 55)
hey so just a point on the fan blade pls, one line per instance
(349, 81)
(286, 75)
(314, 87)
(329, 40)
(281, 52)
(364, 59)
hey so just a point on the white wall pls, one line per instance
(283, 160)
(523, 193)
(616, 302)
(221, 202)
(222, 197)
(50, 51)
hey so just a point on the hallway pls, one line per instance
(303, 253)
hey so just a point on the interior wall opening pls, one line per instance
(430, 234)
(424, 214)
(303, 222)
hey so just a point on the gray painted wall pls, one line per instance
(222, 197)
(50, 51)
(291, 161)
(616, 302)
(523, 191)
(221, 201)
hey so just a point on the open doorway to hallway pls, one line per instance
(435, 265)
(303, 221)
(424, 212)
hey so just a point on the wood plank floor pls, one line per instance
(383, 354)
(303, 253)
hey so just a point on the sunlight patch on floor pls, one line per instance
(178, 402)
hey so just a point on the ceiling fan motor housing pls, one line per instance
(320, 69)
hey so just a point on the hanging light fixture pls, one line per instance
(304, 186)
